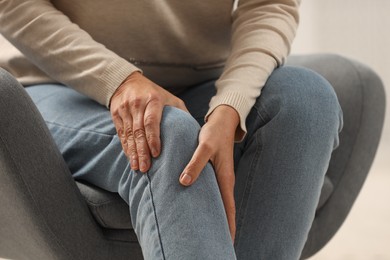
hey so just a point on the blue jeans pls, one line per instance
(280, 166)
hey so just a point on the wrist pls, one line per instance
(226, 115)
(132, 76)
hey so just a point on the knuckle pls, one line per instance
(155, 97)
(142, 152)
(152, 139)
(132, 150)
(124, 140)
(136, 102)
(124, 147)
(115, 113)
(120, 132)
(128, 133)
(123, 105)
(139, 133)
(149, 120)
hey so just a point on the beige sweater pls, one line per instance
(93, 45)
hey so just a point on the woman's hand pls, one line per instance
(136, 109)
(216, 142)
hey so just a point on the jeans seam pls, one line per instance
(248, 188)
(155, 215)
(265, 118)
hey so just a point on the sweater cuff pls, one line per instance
(237, 101)
(112, 78)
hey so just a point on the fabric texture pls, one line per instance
(108, 208)
(187, 44)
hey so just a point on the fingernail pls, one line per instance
(154, 152)
(185, 179)
(134, 164)
(143, 166)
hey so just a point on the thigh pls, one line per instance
(292, 130)
(84, 133)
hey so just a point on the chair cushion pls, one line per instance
(108, 208)
(112, 212)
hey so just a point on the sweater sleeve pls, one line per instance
(261, 40)
(62, 49)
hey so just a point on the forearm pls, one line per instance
(261, 40)
(62, 49)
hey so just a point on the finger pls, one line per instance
(226, 180)
(195, 166)
(152, 120)
(119, 129)
(127, 137)
(139, 136)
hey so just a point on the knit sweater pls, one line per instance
(93, 45)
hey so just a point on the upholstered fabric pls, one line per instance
(108, 208)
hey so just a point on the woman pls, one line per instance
(155, 65)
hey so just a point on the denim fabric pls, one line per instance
(280, 167)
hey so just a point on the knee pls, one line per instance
(178, 128)
(305, 99)
(179, 132)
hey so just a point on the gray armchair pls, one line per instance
(51, 216)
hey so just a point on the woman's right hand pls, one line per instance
(136, 109)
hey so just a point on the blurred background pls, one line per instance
(358, 29)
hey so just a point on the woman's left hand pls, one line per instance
(216, 142)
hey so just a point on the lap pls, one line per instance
(86, 136)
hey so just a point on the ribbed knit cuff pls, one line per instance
(111, 79)
(237, 101)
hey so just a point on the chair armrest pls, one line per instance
(43, 215)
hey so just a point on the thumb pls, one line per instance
(197, 163)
